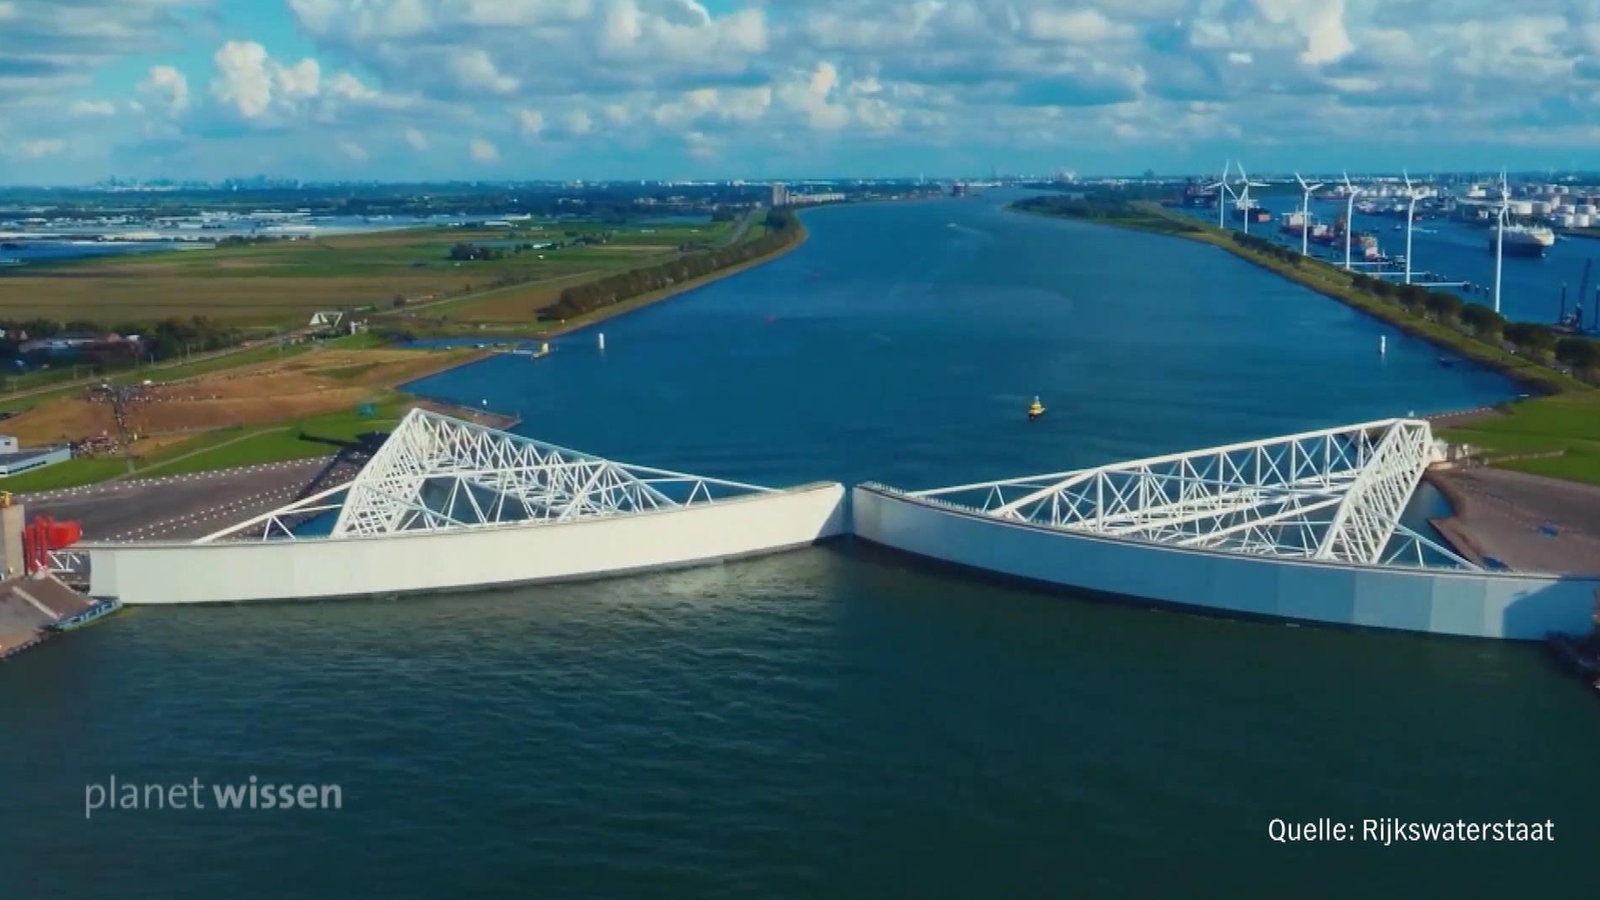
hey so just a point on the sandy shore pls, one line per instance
(1510, 516)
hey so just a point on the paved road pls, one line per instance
(177, 506)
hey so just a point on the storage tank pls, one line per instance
(1582, 221)
(1585, 209)
(1541, 207)
(1522, 207)
(1567, 221)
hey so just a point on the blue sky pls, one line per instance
(465, 89)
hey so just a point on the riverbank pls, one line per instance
(550, 330)
(1555, 434)
(626, 306)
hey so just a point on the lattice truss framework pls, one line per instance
(1335, 495)
(435, 472)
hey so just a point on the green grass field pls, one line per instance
(1567, 422)
(283, 282)
(221, 449)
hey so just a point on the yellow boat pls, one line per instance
(1035, 409)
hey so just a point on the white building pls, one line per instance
(14, 460)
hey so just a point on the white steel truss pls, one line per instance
(1334, 495)
(435, 472)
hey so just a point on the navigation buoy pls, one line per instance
(601, 341)
(486, 403)
(1383, 343)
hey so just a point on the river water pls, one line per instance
(833, 722)
(1450, 251)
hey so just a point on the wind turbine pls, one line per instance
(1222, 189)
(1411, 215)
(1305, 214)
(1244, 196)
(1349, 217)
(1500, 236)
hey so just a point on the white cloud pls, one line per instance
(164, 90)
(37, 148)
(475, 71)
(483, 151)
(84, 108)
(352, 150)
(251, 84)
(51, 47)
(578, 123)
(661, 81)
(530, 121)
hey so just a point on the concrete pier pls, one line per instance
(29, 605)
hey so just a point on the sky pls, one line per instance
(405, 90)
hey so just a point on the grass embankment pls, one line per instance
(281, 282)
(794, 239)
(521, 311)
(255, 414)
(221, 449)
(178, 370)
(1556, 433)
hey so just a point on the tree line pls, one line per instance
(169, 338)
(1104, 205)
(782, 229)
(1530, 339)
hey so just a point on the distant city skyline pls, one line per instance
(402, 91)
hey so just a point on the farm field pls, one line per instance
(306, 385)
(282, 282)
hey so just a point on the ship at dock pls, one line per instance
(1523, 240)
(1364, 245)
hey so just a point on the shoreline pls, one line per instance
(1536, 378)
(532, 332)
(614, 310)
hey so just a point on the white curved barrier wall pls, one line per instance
(150, 573)
(1477, 604)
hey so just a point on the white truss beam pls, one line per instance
(1336, 494)
(436, 473)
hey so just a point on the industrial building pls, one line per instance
(14, 460)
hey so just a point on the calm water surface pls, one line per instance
(1530, 287)
(833, 722)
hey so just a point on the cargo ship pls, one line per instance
(1363, 245)
(1524, 240)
